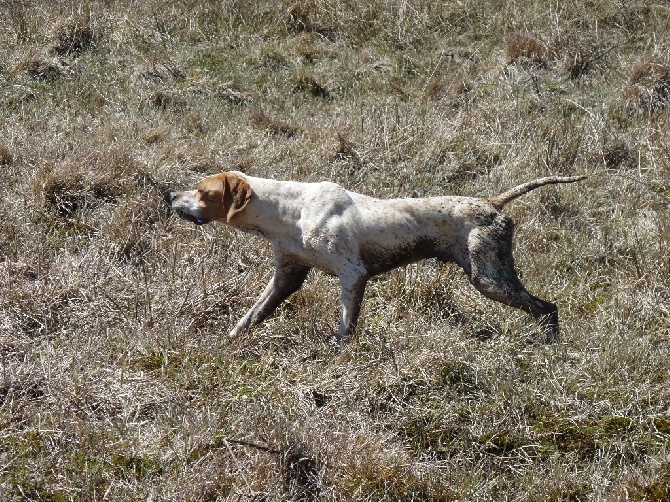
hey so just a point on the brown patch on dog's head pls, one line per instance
(223, 195)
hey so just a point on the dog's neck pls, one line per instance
(272, 209)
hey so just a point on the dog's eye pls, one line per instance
(208, 196)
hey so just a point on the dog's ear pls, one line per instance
(236, 195)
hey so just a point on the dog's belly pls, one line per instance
(378, 259)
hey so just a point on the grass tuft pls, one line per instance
(6, 157)
(522, 48)
(166, 100)
(346, 151)
(650, 85)
(272, 126)
(302, 473)
(38, 70)
(74, 37)
(651, 486)
(578, 65)
(86, 180)
(306, 83)
(617, 154)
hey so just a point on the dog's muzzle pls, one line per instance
(174, 199)
(189, 217)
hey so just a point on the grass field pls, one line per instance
(117, 381)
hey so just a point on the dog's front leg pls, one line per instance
(286, 280)
(353, 289)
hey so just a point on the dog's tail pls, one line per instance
(499, 201)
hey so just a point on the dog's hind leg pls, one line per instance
(287, 279)
(491, 271)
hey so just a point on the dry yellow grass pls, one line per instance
(116, 379)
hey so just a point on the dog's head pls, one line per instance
(217, 198)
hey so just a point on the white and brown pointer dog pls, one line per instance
(354, 237)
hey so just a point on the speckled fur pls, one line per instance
(354, 237)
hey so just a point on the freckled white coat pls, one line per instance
(354, 237)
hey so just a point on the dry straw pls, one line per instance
(117, 380)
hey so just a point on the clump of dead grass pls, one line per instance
(88, 179)
(273, 126)
(167, 100)
(525, 48)
(649, 85)
(6, 156)
(38, 69)
(302, 472)
(617, 154)
(475, 159)
(650, 485)
(347, 151)
(299, 18)
(159, 67)
(577, 64)
(306, 83)
(74, 37)
(453, 91)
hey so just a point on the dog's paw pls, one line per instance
(238, 330)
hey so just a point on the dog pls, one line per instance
(354, 237)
